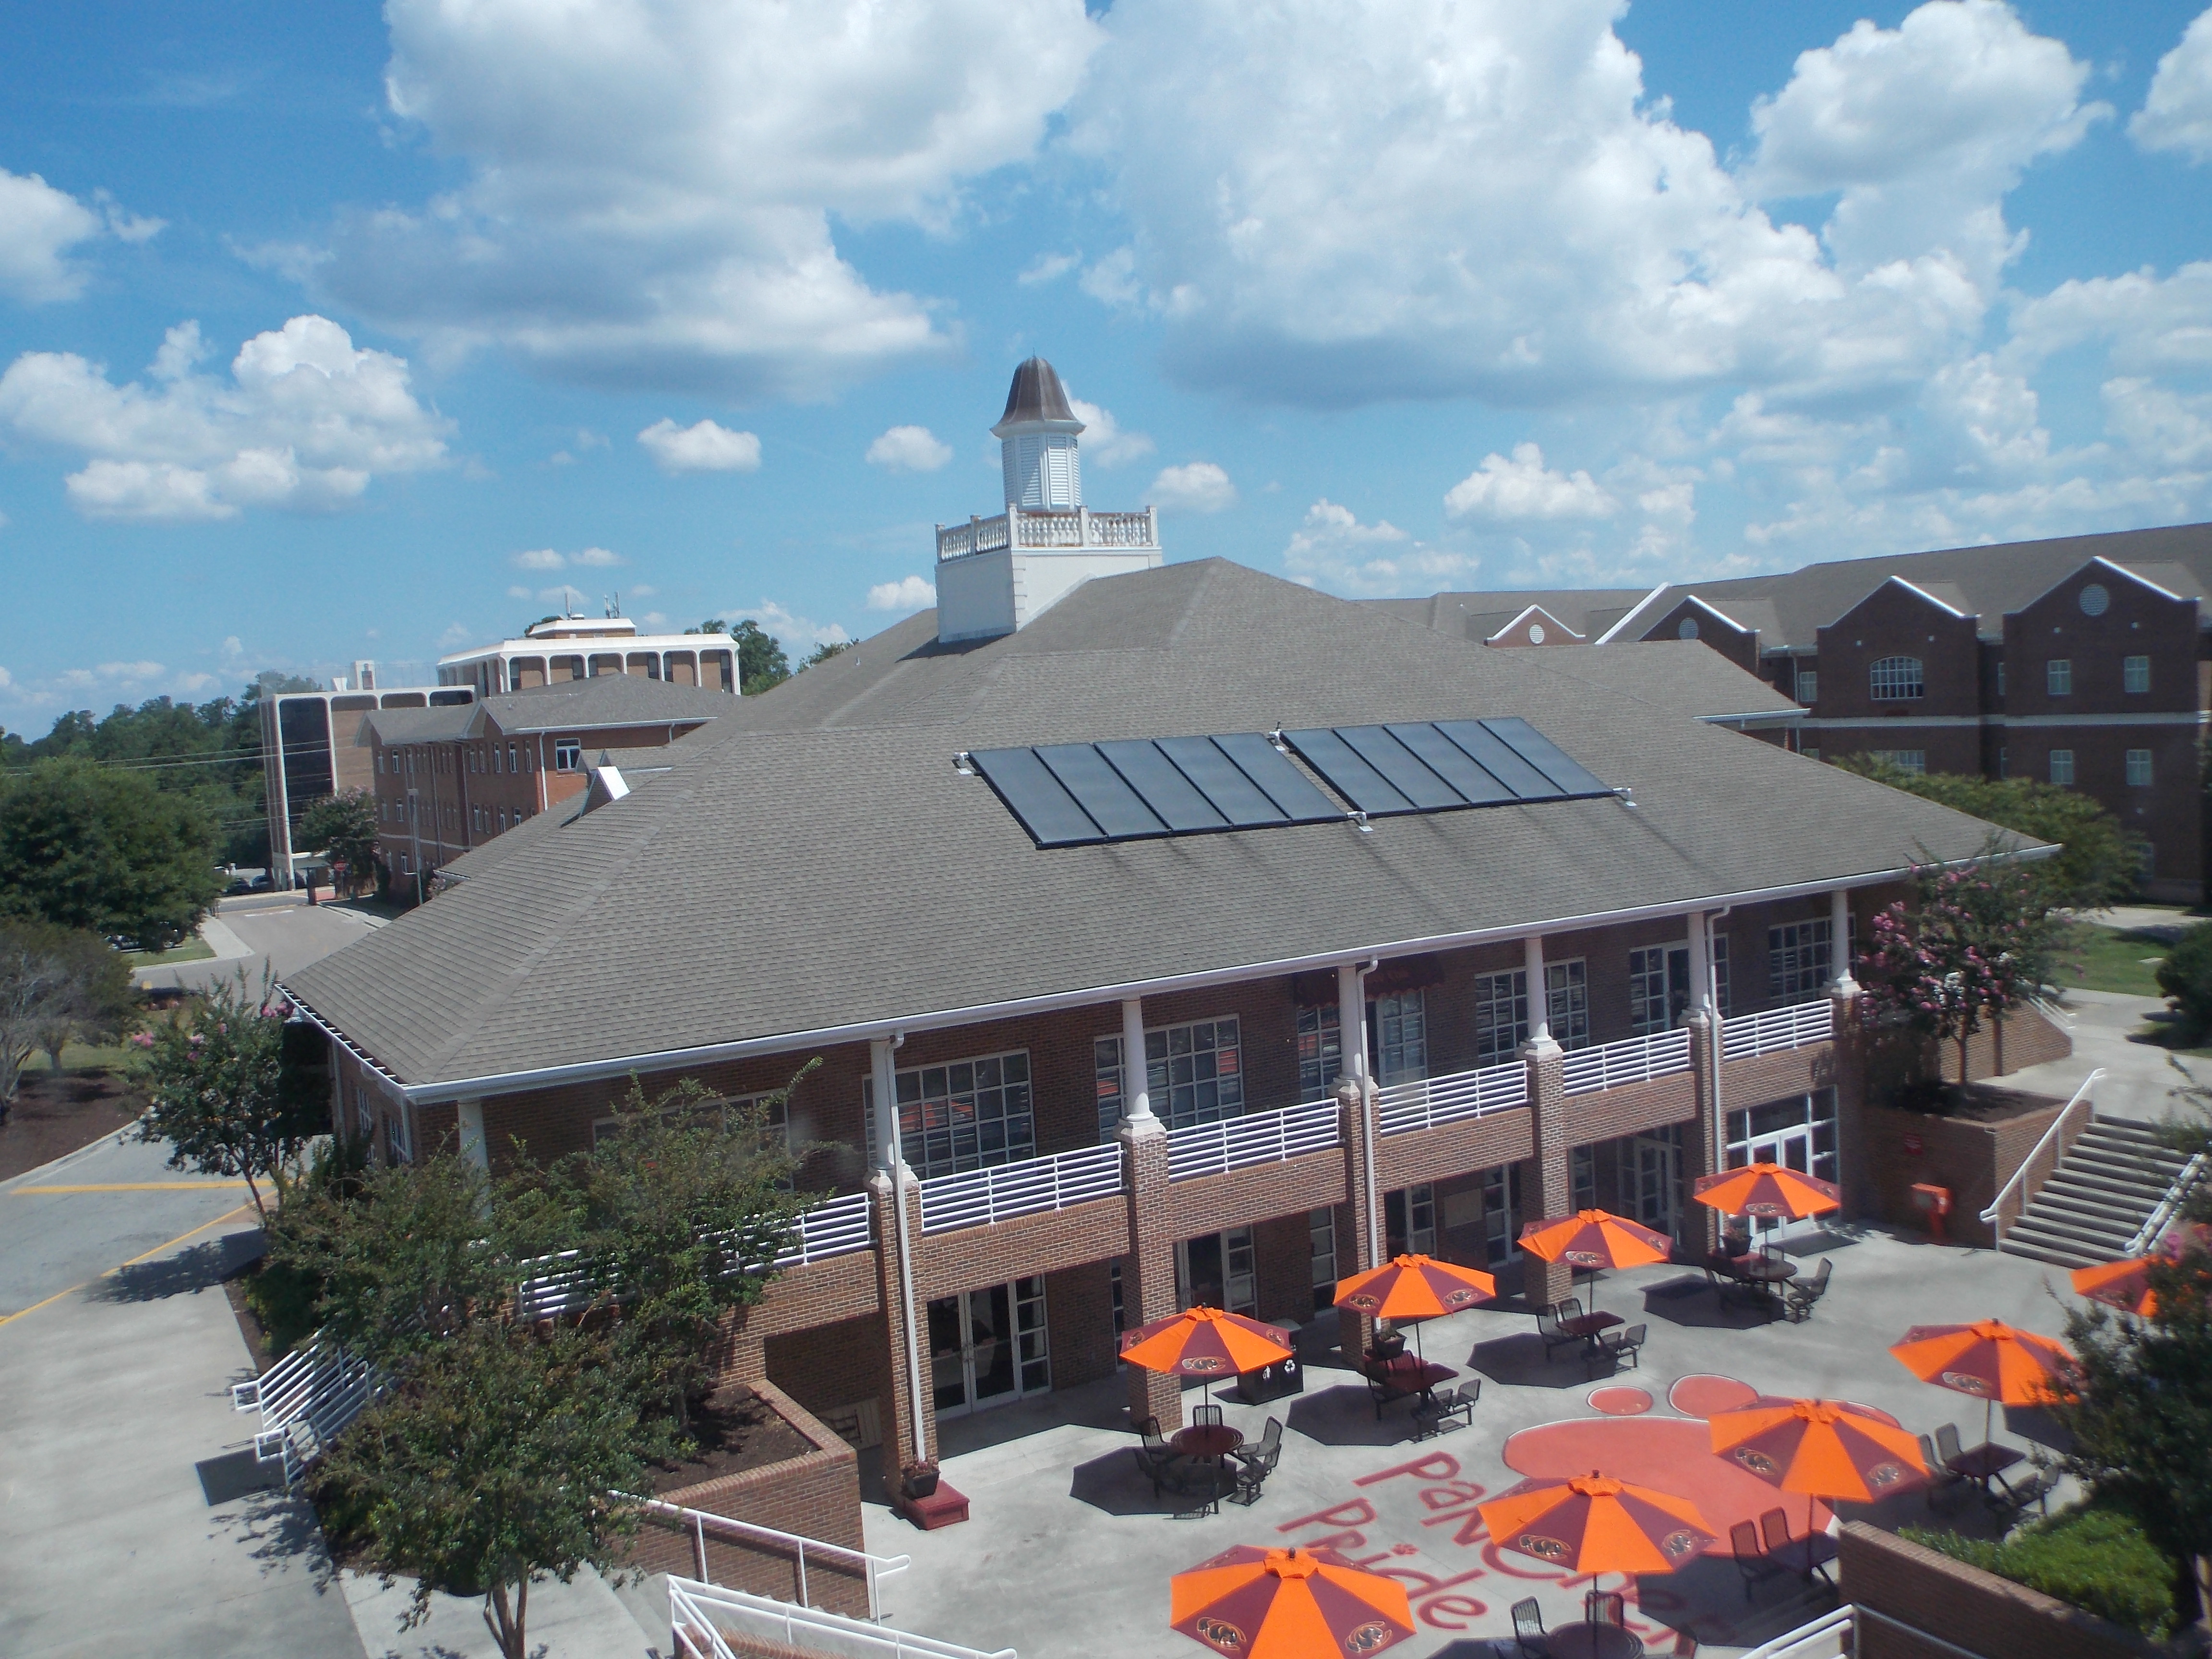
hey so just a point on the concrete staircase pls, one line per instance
(2111, 1181)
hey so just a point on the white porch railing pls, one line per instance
(1238, 1143)
(2084, 1096)
(1837, 1635)
(305, 1400)
(976, 1198)
(699, 1523)
(1635, 1059)
(1056, 527)
(1776, 1029)
(1428, 1100)
(2155, 1223)
(698, 1614)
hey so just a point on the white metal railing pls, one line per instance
(1053, 527)
(1635, 1060)
(697, 1614)
(1237, 1143)
(2082, 1096)
(836, 1228)
(698, 1522)
(305, 1400)
(1774, 1029)
(976, 1198)
(2168, 1207)
(1829, 1636)
(1429, 1101)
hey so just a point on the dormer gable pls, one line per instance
(1536, 626)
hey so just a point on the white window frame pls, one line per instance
(1320, 1253)
(1897, 679)
(1186, 1086)
(1808, 686)
(1914, 761)
(567, 755)
(2135, 675)
(2062, 767)
(1399, 1023)
(2139, 769)
(1800, 959)
(938, 1149)
(1566, 1002)
(1501, 1015)
(2059, 677)
(1320, 1048)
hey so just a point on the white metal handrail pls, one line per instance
(694, 1610)
(1238, 1143)
(976, 1198)
(2168, 1207)
(874, 1568)
(837, 1228)
(1427, 1102)
(1829, 1636)
(1771, 1030)
(1634, 1060)
(2081, 1096)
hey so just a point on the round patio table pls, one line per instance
(1593, 1642)
(1210, 1440)
(1766, 1269)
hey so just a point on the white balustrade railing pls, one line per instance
(1774, 1029)
(1124, 529)
(698, 1614)
(701, 1525)
(837, 1228)
(1055, 527)
(976, 1198)
(1238, 1143)
(1429, 1101)
(1635, 1059)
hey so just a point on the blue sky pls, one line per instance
(328, 333)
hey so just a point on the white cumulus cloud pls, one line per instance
(648, 190)
(1333, 549)
(1103, 441)
(906, 594)
(797, 632)
(909, 449)
(303, 422)
(2177, 112)
(1502, 490)
(40, 226)
(1196, 486)
(550, 558)
(703, 448)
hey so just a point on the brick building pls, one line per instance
(1372, 1018)
(450, 779)
(2084, 661)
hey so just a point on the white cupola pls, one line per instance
(1036, 442)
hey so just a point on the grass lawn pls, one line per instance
(81, 1057)
(194, 949)
(2111, 960)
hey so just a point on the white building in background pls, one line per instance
(564, 648)
(996, 574)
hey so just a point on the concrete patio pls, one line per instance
(1067, 1552)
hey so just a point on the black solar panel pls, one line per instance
(1074, 794)
(1389, 770)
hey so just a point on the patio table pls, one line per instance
(1764, 1269)
(1980, 1463)
(1210, 1441)
(1588, 1326)
(1586, 1641)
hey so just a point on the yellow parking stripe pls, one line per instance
(138, 1187)
(8, 1319)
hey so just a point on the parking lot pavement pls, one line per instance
(130, 1521)
(1067, 1552)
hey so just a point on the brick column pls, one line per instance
(904, 1433)
(1548, 1186)
(1148, 1279)
(1359, 1130)
(1701, 1146)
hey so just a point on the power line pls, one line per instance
(244, 757)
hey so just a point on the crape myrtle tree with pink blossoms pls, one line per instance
(219, 1092)
(1975, 941)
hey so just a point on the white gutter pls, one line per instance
(1630, 614)
(1054, 1001)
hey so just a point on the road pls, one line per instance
(282, 933)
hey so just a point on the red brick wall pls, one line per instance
(832, 1366)
(1973, 1159)
(1961, 1606)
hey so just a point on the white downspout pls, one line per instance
(1351, 1060)
(887, 1136)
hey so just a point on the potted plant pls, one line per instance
(919, 1479)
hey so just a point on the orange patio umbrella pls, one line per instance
(2121, 1285)
(1206, 1342)
(1768, 1192)
(1592, 1523)
(1989, 1360)
(1254, 1603)
(1596, 1238)
(1823, 1448)
(1414, 1287)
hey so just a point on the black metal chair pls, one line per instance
(1798, 1300)
(1529, 1635)
(1752, 1560)
(1433, 1413)
(1205, 1416)
(2011, 1500)
(1547, 1327)
(1613, 1346)
(1161, 1463)
(1938, 1478)
(1947, 1445)
(1802, 1556)
(1253, 1464)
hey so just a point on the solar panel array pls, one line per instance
(1075, 794)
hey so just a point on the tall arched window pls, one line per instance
(1896, 679)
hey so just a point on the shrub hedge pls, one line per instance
(2186, 975)
(2093, 1557)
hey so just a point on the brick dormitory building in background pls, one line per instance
(1166, 934)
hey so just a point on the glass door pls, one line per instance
(1219, 1270)
(988, 1347)
(1651, 1175)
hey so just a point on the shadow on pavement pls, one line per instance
(284, 1531)
(227, 1479)
(1521, 1360)
(1707, 1602)
(1345, 1416)
(197, 1268)
(1694, 1304)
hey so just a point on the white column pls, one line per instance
(1840, 982)
(1540, 991)
(1351, 1023)
(473, 1150)
(890, 1156)
(1701, 967)
(1136, 1074)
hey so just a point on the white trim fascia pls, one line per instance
(1536, 610)
(1939, 604)
(2115, 568)
(1632, 613)
(1759, 716)
(1710, 608)
(1838, 723)
(1092, 996)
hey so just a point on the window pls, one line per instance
(494, 757)
(511, 766)
(965, 1115)
(2062, 766)
(1501, 1015)
(1320, 1248)
(1398, 1027)
(1797, 1132)
(364, 1116)
(1195, 1072)
(2138, 768)
(1688, 630)
(2059, 677)
(2135, 674)
(1582, 1164)
(1808, 686)
(1905, 760)
(567, 755)
(1896, 679)
(1497, 1238)
(1320, 1051)
(1409, 1220)
(1566, 1002)
(1810, 754)
(1797, 958)
(397, 1139)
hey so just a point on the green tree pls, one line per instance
(761, 664)
(33, 989)
(343, 828)
(1974, 942)
(2140, 1416)
(218, 1092)
(103, 848)
(2098, 857)
(490, 1465)
(681, 1211)
(95, 999)
(824, 651)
